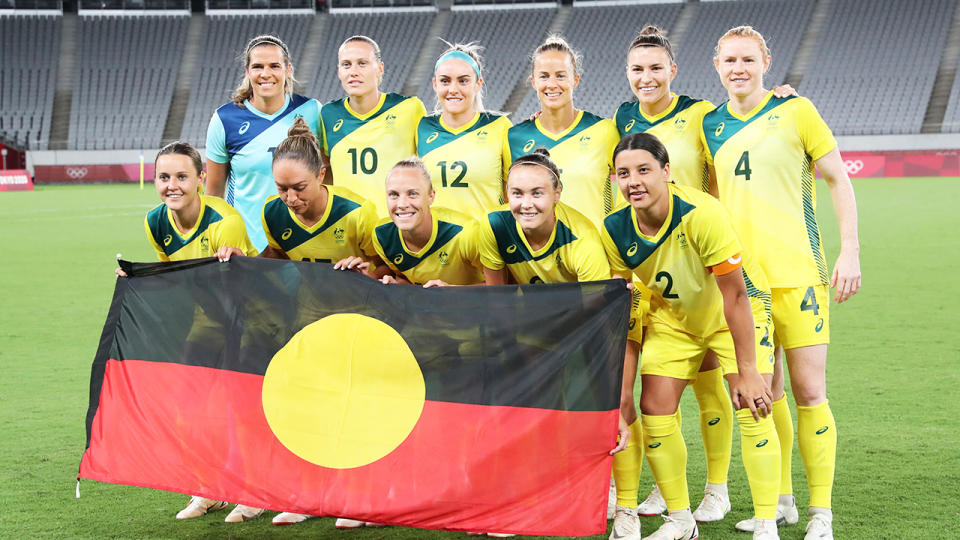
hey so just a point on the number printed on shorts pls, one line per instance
(668, 288)
(809, 302)
(456, 165)
(365, 160)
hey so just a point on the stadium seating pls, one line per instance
(28, 78)
(507, 36)
(220, 69)
(951, 120)
(126, 71)
(872, 73)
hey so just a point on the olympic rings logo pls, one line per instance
(76, 172)
(853, 165)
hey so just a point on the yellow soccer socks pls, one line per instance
(760, 449)
(817, 434)
(716, 423)
(783, 421)
(667, 455)
(627, 466)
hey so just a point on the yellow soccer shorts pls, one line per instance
(801, 316)
(670, 353)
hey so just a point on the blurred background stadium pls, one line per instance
(89, 84)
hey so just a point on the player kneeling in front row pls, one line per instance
(706, 294)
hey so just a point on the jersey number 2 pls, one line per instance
(743, 166)
(366, 161)
(453, 167)
(669, 287)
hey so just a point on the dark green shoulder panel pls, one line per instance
(389, 239)
(719, 125)
(633, 248)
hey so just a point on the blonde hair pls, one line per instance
(745, 31)
(245, 90)
(369, 41)
(300, 145)
(555, 42)
(472, 50)
(414, 163)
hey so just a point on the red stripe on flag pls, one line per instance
(202, 431)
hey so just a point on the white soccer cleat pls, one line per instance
(713, 507)
(345, 523)
(654, 505)
(289, 518)
(765, 529)
(786, 515)
(199, 506)
(611, 500)
(626, 524)
(820, 527)
(674, 529)
(242, 512)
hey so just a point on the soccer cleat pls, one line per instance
(786, 515)
(654, 505)
(765, 529)
(344, 523)
(611, 501)
(289, 518)
(242, 512)
(713, 507)
(820, 527)
(199, 506)
(626, 524)
(673, 529)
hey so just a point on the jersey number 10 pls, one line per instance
(366, 162)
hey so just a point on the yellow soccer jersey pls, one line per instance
(345, 229)
(467, 163)
(218, 225)
(764, 166)
(362, 148)
(573, 252)
(583, 153)
(678, 128)
(451, 255)
(676, 263)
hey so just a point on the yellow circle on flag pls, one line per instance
(344, 392)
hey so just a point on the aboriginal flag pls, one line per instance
(292, 386)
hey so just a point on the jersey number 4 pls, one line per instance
(743, 166)
(365, 160)
(455, 166)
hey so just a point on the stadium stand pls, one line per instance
(220, 69)
(28, 73)
(507, 37)
(125, 75)
(866, 78)
(951, 120)
(399, 33)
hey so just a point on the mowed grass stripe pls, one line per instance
(892, 374)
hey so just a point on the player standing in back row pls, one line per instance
(763, 150)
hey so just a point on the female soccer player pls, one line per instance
(242, 133)
(763, 150)
(188, 225)
(580, 141)
(705, 295)
(368, 131)
(461, 143)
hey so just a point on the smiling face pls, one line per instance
(532, 197)
(740, 62)
(457, 86)
(409, 196)
(650, 71)
(267, 72)
(358, 69)
(642, 181)
(176, 179)
(299, 187)
(554, 78)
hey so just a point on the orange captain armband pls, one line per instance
(727, 266)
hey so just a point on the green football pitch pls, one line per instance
(893, 374)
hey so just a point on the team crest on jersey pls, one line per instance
(584, 141)
(682, 239)
(772, 121)
(559, 259)
(719, 129)
(679, 124)
(338, 125)
(204, 244)
(243, 128)
(339, 234)
(167, 239)
(391, 120)
(286, 233)
(433, 136)
(629, 126)
(444, 257)
(482, 135)
(529, 145)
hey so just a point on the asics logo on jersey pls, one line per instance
(167, 239)
(762, 443)
(433, 136)
(632, 323)
(286, 233)
(529, 145)
(819, 326)
(719, 129)
(398, 259)
(735, 260)
(243, 128)
(713, 421)
(823, 430)
(632, 250)
(629, 125)
(336, 127)
(654, 445)
(512, 248)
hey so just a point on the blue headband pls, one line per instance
(458, 55)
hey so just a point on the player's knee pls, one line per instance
(807, 393)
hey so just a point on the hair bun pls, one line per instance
(300, 129)
(651, 30)
(542, 151)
